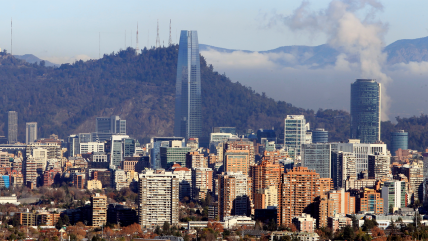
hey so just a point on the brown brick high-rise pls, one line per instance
(298, 189)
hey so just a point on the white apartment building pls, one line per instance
(158, 198)
(90, 147)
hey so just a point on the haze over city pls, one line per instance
(206, 121)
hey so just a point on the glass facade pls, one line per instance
(399, 140)
(319, 136)
(188, 87)
(294, 134)
(317, 157)
(365, 110)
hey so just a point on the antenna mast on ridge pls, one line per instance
(157, 38)
(11, 50)
(137, 49)
(170, 39)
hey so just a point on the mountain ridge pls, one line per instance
(400, 51)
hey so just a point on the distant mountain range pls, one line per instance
(401, 51)
(29, 58)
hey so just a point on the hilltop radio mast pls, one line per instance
(137, 49)
(170, 39)
(157, 38)
(11, 50)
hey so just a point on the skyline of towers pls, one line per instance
(12, 127)
(365, 110)
(30, 132)
(187, 121)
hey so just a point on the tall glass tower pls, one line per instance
(188, 87)
(365, 110)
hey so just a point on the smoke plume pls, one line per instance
(359, 39)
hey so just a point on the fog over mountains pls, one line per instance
(315, 77)
(319, 76)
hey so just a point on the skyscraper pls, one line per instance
(188, 87)
(105, 127)
(295, 128)
(30, 132)
(12, 127)
(365, 110)
(399, 140)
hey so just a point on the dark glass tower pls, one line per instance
(399, 140)
(365, 110)
(188, 87)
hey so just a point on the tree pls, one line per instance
(348, 233)
(166, 228)
(391, 208)
(369, 224)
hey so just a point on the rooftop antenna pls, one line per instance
(11, 50)
(148, 39)
(170, 39)
(125, 39)
(157, 38)
(99, 45)
(137, 49)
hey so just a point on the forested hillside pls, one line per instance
(138, 88)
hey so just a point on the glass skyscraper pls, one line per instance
(399, 140)
(188, 87)
(365, 110)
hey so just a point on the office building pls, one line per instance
(91, 147)
(158, 202)
(116, 152)
(343, 168)
(128, 147)
(233, 195)
(365, 110)
(268, 134)
(12, 127)
(399, 140)
(298, 189)
(188, 121)
(295, 128)
(73, 145)
(394, 196)
(319, 135)
(99, 210)
(231, 130)
(378, 166)
(362, 152)
(173, 153)
(85, 137)
(156, 143)
(105, 127)
(370, 201)
(30, 132)
(317, 157)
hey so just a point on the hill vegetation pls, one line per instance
(141, 88)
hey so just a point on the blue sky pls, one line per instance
(62, 30)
